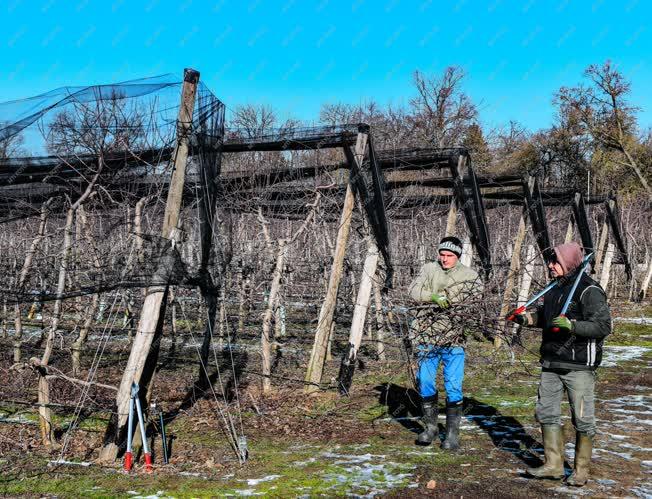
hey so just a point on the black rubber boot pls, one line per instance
(553, 449)
(429, 420)
(453, 419)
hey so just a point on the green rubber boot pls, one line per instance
(583, 449)
(553, 447)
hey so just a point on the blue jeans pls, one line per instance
(453, 360)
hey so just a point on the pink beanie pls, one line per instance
(569, 256)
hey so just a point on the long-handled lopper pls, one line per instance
(545, 290)
(569, 298)
(522, 308)
(141, 422)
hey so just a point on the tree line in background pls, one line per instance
(595, 143)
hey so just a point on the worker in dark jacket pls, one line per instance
(571, 351)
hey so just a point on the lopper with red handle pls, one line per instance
(522, 308)
(135, 401)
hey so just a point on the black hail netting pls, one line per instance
(117, 142)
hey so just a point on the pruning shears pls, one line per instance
(521, 309)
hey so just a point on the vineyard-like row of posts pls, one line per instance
(258, 260)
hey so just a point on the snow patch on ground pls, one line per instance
(634, 320)
(614, 354)
(252, 482)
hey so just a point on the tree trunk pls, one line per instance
(89, 315)
(27, 264)
(269, 314)
(45, 414)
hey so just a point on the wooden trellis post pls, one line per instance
(606, 267)
(467, 253)
(528, 273)
(511, 277)
(152, 312)
(601, 244)
(318, 354)
(380, 327)
(645, 284)
(451, 220)
(359, 314)
(570, 231)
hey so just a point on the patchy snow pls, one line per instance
(370, 473)
(301, 464)
(252, 482)
(644, 490)
(248, 492)
(352, 458)
(634, 320)
(613, 436)
(58, 462)
(623, 455)
(614, 354)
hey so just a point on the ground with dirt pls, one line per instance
(361, 445)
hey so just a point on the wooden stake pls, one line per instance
(359, 314)
(570, 231)
(451, 220)
(380, 327)
(150, 322)
(318, 354)
(645, 284)
(604, 233)
(467, 253)
(511, 278)
(606, 267)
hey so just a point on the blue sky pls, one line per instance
(296, 55)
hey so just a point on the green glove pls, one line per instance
(440, 300)
(563, 323)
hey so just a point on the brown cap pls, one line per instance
(569, 256)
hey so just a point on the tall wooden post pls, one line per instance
(645, 284)
(528, 273)
(511, 277)
(451, 220)
(467, 253)
(570, 231)
(606, 266)
(347, 367)
(604, 232)
(318, 354)
(153, 309)
(380, 326)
